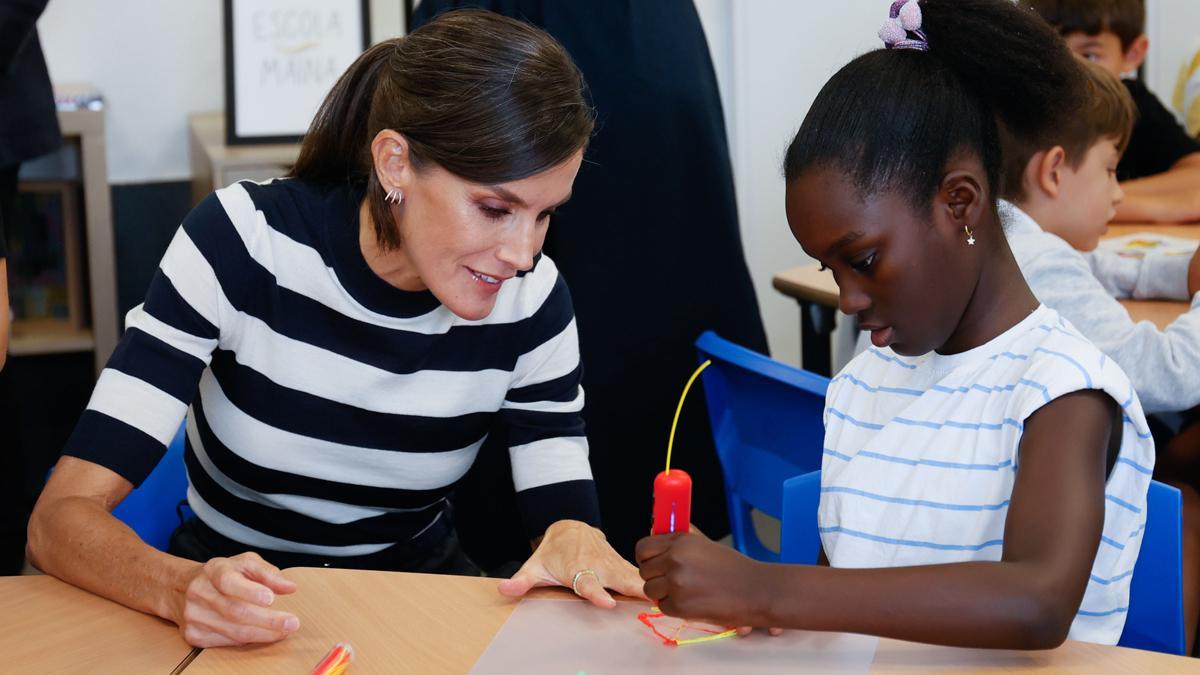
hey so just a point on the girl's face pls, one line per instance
(905, 277)
(463, 240)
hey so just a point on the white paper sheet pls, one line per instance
(570, 637)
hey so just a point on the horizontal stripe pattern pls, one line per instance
(921, 455)
(329, 413)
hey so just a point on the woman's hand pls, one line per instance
(567, 548)
(691, 577)
(226, 603)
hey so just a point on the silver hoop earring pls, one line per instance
(394, 196)
(970, 236)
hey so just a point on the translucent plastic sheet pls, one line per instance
(569, 637)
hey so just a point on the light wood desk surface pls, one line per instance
(416, 623)
(48, 626)
(807, 283)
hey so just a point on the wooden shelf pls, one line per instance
(33, 337)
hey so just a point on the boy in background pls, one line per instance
(1160, 171)
(1058, 199)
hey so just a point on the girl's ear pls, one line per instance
(960, 200)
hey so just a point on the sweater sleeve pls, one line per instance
(1163, 365)
(143, 392)
(1162, 277)
(18, 19)
(542, 416)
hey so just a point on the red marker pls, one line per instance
(672, 502)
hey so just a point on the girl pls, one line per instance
(986, 468)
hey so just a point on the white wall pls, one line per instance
(1174, 30)
(780, 53)
(155, 62)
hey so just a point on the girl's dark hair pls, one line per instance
(892, 119)
(488, 98)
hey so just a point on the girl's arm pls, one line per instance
(1027, 600)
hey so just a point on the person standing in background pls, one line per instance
(28, 129)
(651, 250)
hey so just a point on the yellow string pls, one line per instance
(707, 638)
(679, 408)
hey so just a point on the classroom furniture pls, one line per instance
(48, 626)
(418, 623)
(216, 164)
(159, 505)
(83, 126)
(817, 295)
(767, 426)
(1155, 619)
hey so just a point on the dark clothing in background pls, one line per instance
(1158, 140)
(650, 247)
(28, 123)
(28, 129)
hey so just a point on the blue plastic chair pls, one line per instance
(767, 426)
(156, 508)
(1155, 618)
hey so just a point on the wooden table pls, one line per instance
(417, 623)
(817, 295)
(48, 626)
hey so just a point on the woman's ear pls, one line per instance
(392, 158)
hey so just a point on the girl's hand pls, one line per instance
(226, 603)
(571, 548)
(690, 577)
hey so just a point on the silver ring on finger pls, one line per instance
(579, 575)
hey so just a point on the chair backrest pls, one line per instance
(767, 426)
(152, 508)
(1155, 616)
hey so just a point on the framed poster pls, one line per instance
(281, 58)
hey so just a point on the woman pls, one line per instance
(355, 332)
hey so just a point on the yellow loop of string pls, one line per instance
(679, 408)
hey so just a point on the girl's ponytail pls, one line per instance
(892, 118)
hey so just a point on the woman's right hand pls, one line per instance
(227, 603)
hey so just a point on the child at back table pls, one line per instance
(985, 473)
(1059, 193)
(1160, 172)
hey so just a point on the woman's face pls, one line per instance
(895, 271)
(463, 240)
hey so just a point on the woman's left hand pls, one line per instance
(568, 548)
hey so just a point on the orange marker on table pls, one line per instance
(336, 661)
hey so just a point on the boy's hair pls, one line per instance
(1108, 112)
(891, 119)
(1124, 18)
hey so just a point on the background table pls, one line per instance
(48, 626)
(817, 295)
(417, 623)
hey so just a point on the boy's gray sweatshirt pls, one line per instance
(1163, 365)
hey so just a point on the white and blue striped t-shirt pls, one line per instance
(921, 455)
(330, 413)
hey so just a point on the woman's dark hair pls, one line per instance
(488, 98)
(891, 119)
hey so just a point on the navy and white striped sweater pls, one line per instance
(330, 413)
